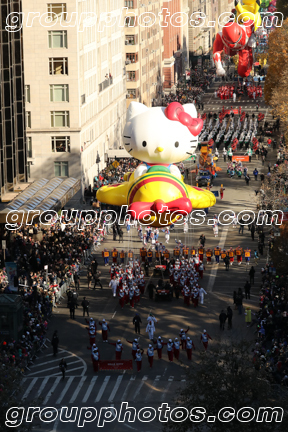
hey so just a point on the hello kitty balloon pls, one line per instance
(159, 137)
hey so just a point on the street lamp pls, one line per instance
(203, 39)
(98, 160)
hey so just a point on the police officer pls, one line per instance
(85, 306)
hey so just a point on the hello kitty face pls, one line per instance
(161, 135)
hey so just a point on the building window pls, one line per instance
(132, 76)
(61, 169)
(27, 94)
(56, 9)
(59, 93)
(28, 119)
(58, 66)
(130, 21)
(57, 39)
(29, 147)
(132, 94)
(131, 58)
(60, 119)
(129, 4)
(60, 144)
(131, 39)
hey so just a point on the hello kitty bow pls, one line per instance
(175, 112)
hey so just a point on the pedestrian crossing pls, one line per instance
(99, 389)
(47, 365)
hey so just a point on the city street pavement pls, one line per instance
(150, 387)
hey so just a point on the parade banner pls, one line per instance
(240, 158)
(11, 270)
(115, 365)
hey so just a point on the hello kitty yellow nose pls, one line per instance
(159, 149)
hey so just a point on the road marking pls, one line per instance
(51, 361)
(165, 391)
(42, 387)
(101, 391)
(145, 377)
(215, 267)
(91, 385)
(45, 370)
(116, 386)
(29, 388)
(114, 315)
(127, 387)
(130, 427)
(78, 388)
(153, 387)
(64, 391)
(70, 370)
(51, 390)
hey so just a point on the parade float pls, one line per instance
(238, 37)
(159, 137)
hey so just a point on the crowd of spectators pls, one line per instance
(272, 326)
(62, 248)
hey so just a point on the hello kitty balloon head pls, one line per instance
(161, 135)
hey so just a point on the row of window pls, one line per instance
(58, 93)
(57, 119)
(61, 169)
(59, 144)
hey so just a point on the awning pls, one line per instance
(42, 195)
(119, 153)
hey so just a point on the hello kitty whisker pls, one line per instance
(193, 141)
(189, 153)
(126, 136)
(127, 143)
(130, 150)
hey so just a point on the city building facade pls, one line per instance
(12, 106)
(75, 81)
(202, 36)
(144, 52)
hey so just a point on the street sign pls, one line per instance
(3, 244)
(115, 164)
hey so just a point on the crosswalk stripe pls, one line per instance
(114, 391)
(140, 387)
(127, 388)
(153, 387)
(42, 386)
(51, 361)
(54, 367)
(70, 370)
(51, 390)
(102, 388)
(165, 391)
(78, 388)
(64, 391)
(91, 385)
(29, 388)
